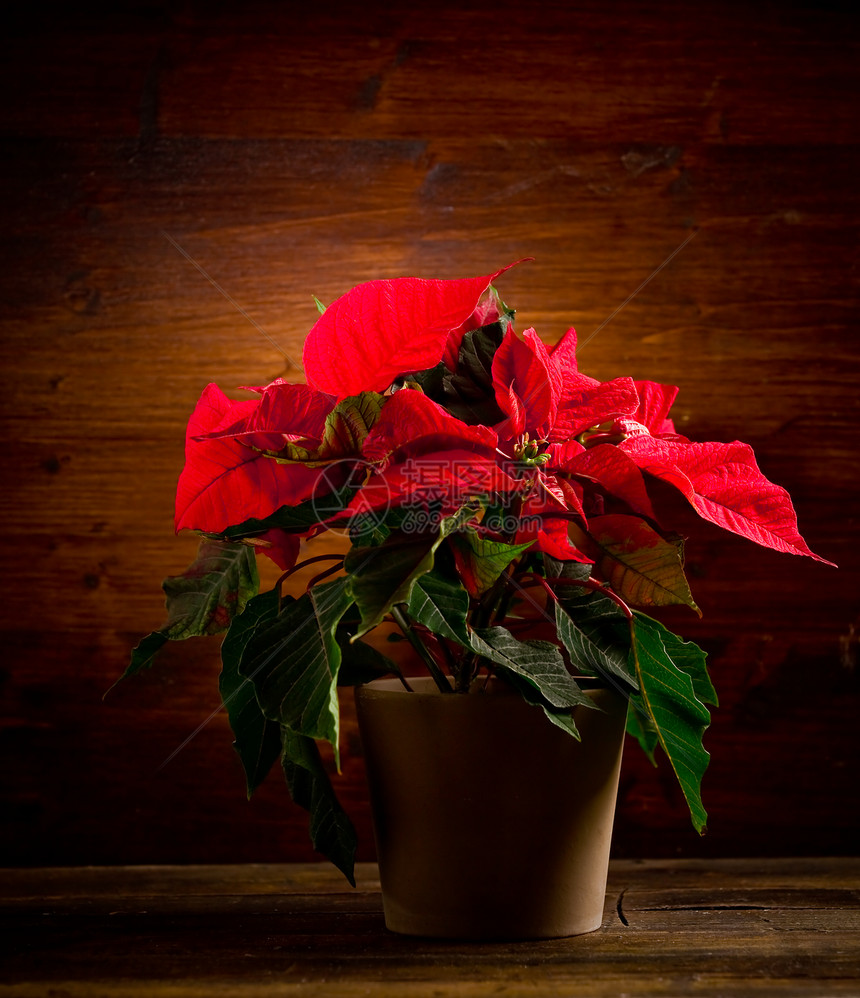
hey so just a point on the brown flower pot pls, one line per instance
(490, 821)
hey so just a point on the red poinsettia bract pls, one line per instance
(566, 446)
(228, 477)
(381, 329)
(611, 432)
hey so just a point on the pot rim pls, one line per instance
(425, 686)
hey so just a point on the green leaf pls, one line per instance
(203, 600)
(211, 591)
(481, 561)
(468, 394)
(595, 651)
(679, 718)
(441, 605)
(144, 653)
(639, 564)
(688, 657)
(474, 375)
(639, 726)
(383, 576)
(331, 831)
(365, 530)
(293, 661)
(257, 739)
(348, 424)
(594, 630)
(538, 662)
(431, 381)
(555, 568)
(360, 662)
(586, 605)
(320, 307)
(561, 717)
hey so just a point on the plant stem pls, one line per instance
(302, 564)
(323, 575)
(439, 677)
(404, 682)
(504, 603)
(591, 584)
(483, 616)
(437, 643)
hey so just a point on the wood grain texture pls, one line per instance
(739, 927)
(298, 153)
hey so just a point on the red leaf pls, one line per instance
(464, 560)
(573, 493)
(616, 472)
(225, 482)
(560, 454)
(449, 478)
(485, 312)
(552, 538)
(298, 408)
(515, 424)
(381, 329)
(527, 385)
(281, 547)
(284, 413)
(563, 356)
(411, 423)
(548, 493)
(588, 403)
(551, 491)
(655, 401)
(550, 533)
(724, 485)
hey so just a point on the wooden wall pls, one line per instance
(298, 149)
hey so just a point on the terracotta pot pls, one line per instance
(490, 822)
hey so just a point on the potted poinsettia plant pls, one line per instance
(498, 510)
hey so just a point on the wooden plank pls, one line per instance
(263, 930)
(773, 877)
(721, 73)
(607, 986)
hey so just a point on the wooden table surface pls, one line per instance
(718, 927)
